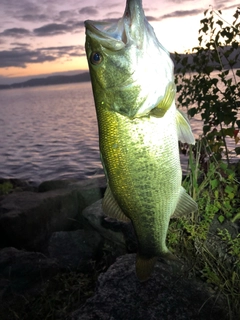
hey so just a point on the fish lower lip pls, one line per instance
(91, 27)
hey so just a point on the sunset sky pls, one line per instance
(38, 38)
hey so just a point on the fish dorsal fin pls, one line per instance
(160, 110)
(185, 204)
(111, 208)
(184, 130)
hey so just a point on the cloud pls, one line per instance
(20, 56)
(89, 10)
(181, 1)
(20, 44)
(24, 10)
(15, 32)
(223, 5)
(34, 17)
(64, 50)
(151, 18)
(181, 13)
(65, 14)
(52, 29)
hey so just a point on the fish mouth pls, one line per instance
(128, 29)
(133, 48)
(111, 36)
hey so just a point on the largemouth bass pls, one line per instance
(139, 128)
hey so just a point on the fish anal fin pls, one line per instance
(185, 204)
(111, 208)
(184, 130)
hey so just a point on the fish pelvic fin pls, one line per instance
(185, 204)
(184, 130)
(144, 267)
(111, 208)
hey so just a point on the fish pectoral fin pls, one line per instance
(111, 208)
(166, 102)
(144, 267)
(185, 204)
(184, 130)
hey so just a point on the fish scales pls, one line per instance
(142, 187)
(139, 129)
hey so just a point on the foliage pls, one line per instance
(60, 295)
(5, 188)
(214, 185)
(208, 87)
(215, 182)
(204, 82)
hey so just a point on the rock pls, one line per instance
(121, 233)
(54, 185)
(31, 217)
(74, 249)
(21, 271)
(19, 185)
(168, 294)
(27, 219)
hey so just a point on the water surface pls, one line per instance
(51, 132)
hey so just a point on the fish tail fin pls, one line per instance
(144, 267)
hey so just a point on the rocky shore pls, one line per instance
(61, 258)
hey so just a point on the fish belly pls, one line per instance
(141, 161)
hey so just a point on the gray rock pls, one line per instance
(21, 271)
(55, 185)
(168, 295)
(74, 249)
(27, 219)
(31, 217)
(121, 233)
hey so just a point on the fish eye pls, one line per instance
(96, 58)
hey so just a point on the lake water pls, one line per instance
(51, 132)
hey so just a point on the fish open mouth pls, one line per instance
(112, 36)
(131, 26)
(131, 47)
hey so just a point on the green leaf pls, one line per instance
(235, 45)
(221, 218)
(237, 150)
(220, 23)
(236, 217)
(214, 183)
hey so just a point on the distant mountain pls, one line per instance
(83, 77)
(52, 80)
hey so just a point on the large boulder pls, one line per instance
(168, 294)
(118, 232)
(27, 219)
(21, 271)
(75, 249)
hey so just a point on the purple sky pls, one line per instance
(45, 37)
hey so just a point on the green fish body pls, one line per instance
(139, 128)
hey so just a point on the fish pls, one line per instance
(139, 127)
